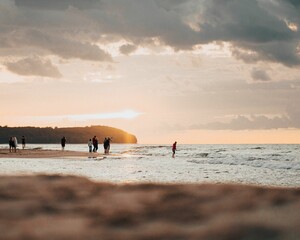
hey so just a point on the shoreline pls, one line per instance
(156, 165)
(43, 153)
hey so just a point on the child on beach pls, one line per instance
(90, 145)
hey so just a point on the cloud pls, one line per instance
(66, 48)
(46, 43)
(294, 113)
(57, 4)
(259, 75)
(125, 114)
(99, 77)
(34, 66)
(291, 120)
(296, 3)
(257, 30)
(127, 49)
(253, 29)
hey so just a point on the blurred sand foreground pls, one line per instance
(56, 207)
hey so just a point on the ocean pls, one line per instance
(267, 165)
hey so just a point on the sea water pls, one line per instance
(269, 165)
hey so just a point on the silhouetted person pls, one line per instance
(90, 145)
(108, 144)
(23, 142)
(105, 145)
(95, 144)
(11, 144)
(63, 142)
(14, 144)
(174, 148)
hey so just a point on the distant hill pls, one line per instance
(73, 134)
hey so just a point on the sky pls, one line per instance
(191, 71)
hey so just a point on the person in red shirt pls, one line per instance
(174, 149)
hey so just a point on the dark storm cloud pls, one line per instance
(170, 4)
(257, 30)
(57, 4)
(141, 21)
(84, 4)
(260, 75)
(50, 43)
(34, 66)
(65, 47)
(250, 26)
(296, 3)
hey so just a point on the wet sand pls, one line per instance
(56, 207)
(41, 153)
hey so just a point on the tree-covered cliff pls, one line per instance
(73, 134)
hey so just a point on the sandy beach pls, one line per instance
(43, 153)
(191, 107)
(55, 207)
(72, 207)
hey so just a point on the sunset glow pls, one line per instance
(194, 71)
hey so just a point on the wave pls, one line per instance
(251, 162)
(201, 155)
(220, 150)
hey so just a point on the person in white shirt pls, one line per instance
(15, 143)
(90, 144)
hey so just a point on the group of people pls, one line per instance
(13, 143)
(94, 142)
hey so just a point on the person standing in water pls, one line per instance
(108, 144)
(105, 145)
(63, 142)
(174, 148)
(23, 142)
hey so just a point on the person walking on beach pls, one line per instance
(63, 142)
(174, 148)
(106, 145)
(15, 144)
(11, 143)
(90, 145)
(23, 142)
(95, 144)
